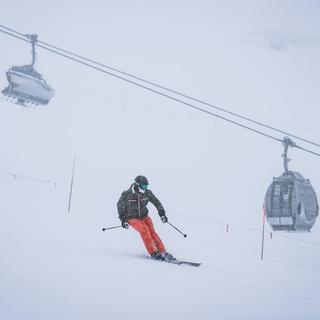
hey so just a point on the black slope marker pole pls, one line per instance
(71, 184)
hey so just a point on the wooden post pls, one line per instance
(71, 184)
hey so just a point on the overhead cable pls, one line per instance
(162, 94)
(170, 90)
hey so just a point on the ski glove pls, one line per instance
(125, 224)
(164, 218)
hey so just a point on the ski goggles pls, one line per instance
(143, 186)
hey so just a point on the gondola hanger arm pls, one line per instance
(287, 142)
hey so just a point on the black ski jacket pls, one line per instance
(133, 204)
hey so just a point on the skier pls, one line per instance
(132, 210)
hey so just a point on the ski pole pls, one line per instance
(104, 229)
(177, 229)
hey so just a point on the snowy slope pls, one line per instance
(259, 60)
(59, 265)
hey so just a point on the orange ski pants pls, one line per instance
(149, 236)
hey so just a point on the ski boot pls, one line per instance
(157, 256)
(168, 257)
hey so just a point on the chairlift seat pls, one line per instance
(27, 86)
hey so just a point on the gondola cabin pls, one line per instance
(291, 203)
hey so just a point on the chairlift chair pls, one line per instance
(27, 87)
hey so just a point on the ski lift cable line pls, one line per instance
(170, 90)
(184, 95)
(307, 150)
(152, 90)
(164, 95)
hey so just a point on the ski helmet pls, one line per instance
(141, 181)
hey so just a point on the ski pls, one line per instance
(181, 262)
(178, 262)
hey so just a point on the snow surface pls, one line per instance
(259, 59)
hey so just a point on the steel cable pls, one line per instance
(162, 94)
(171, 90)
